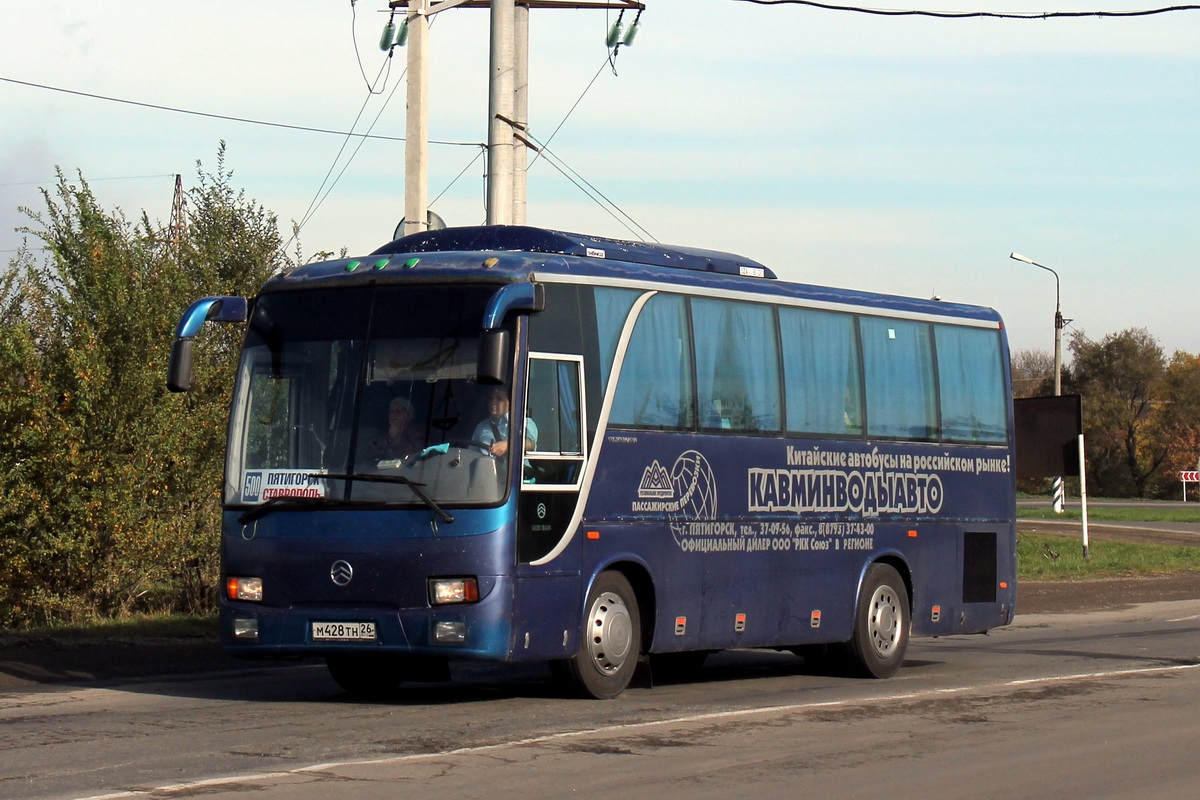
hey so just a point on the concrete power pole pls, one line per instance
(501, 103)
(520, 110)
(508, 103)
(416, 123)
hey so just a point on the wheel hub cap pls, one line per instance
(610, 635)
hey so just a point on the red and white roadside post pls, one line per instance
(1186, 477)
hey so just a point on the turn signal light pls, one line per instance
(248, 589)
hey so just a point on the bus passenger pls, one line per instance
(399, 440)
(493, 431)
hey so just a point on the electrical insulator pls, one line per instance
(632, 33)
(614, 34)
(389, 34)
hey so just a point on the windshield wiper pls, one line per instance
(270, 505)
(400, 479)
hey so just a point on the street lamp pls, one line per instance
(1059, 322)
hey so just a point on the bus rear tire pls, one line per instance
(609, 642)
(881, 624)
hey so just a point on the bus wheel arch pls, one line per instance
(882, 620)
(613, 633)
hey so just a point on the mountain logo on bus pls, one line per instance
(656, 483)
(688, 492)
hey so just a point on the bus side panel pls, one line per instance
(546, 617)
(781, 531)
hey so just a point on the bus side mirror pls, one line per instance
(216, 309)
(179, 368)
(492, 367)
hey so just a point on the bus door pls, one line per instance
(554, 451)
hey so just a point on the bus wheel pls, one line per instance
(880, 624)
(610, 640)
(366, 676)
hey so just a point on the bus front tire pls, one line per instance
(609, 642)
(881, 624)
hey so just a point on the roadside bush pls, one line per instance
(109, 485)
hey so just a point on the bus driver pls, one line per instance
(493, 431)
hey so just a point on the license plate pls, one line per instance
(343, 631)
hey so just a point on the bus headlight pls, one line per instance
(248, 589)
(445, 591)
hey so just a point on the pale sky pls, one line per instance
(898, 154)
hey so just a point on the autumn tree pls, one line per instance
(109, 486)
(1178, 422)
(1121, 379)
(1032, 373)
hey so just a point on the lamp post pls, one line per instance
(1059, 324)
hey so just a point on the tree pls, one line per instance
(1032, 373)
(1178, 424)
(1121, 380)
(111, 485)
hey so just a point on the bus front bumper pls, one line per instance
(480, 630)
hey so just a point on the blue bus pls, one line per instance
(512, 444)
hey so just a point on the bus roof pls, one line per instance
(520, 238)
(512, 253)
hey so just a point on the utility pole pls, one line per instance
(178, 226)
(178, 214)
(508, 102)
(520, 111)
(416, 121)
(501, 102)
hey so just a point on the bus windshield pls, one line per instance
(364, 395)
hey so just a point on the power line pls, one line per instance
(358, 55)
(595, 194)
(463, 171)
(973, 14)
(571, 111)
(90, 180)
(319, 199)
(227, 117)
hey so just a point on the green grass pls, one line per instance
(1042, 558)
(136, 629)
(1147, 513)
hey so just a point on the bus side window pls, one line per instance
(737, 365)
(554, 402)
(655, 389)
(898, 364)
(821, 372)
(971, 381)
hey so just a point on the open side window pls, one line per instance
(555, 444)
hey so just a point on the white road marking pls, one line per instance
(716, 715)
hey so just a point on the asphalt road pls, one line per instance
(1057, 705)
